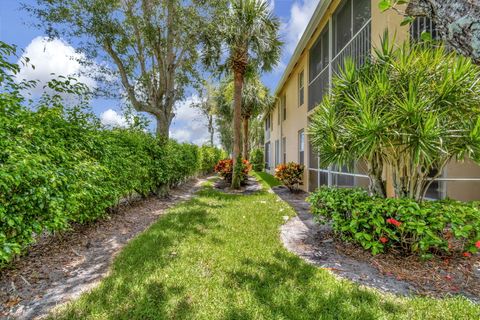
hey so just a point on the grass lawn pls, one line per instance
(266, 179)
(219, 256)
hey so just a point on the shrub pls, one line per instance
(225, 169)
(256, 157)
(58, 166)
(290, 175)
(409, 227)
(209, 157)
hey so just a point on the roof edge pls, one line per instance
(302, 43)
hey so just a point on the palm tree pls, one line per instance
(250, 34)
(256, 99)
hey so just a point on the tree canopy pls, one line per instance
(153, 44)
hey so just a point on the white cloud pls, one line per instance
(113, 119)
(300, 15)
(52, 57)
(189, 125)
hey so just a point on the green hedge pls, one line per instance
(379, 224)
(256, 159)
(58, 167)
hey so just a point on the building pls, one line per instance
(337, 29)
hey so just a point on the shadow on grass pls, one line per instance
(132, 290)
(275, 284)
(288, 288)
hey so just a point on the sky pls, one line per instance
(58, 57)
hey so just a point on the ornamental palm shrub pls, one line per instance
(408, 111)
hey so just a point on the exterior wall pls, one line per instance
(390, 20)
(297, 116)
(462, 190)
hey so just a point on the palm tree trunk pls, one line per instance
(245, 138)
(237, 127)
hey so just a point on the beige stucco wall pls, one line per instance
(389, 20)
(463, 190)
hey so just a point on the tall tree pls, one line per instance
(152, 43)
(457, 21)
(249, 32)
(256, 99)
(207, 107)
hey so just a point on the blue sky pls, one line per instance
(56, 57)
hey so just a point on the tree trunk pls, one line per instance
(245, 138)
(162, 129)
(211, 129)
(457, 21)
(237, 126)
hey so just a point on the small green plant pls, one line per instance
(257, 160)
(405, 225)
(290, 174)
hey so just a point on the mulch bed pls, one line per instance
(250, 186)
(60, 267)
(434, 277)
(317, 244)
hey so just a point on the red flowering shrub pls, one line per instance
(405, 226)
(225, 169)
(290, 175)
(396, 223)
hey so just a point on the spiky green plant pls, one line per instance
(408, 112)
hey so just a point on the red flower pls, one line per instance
(383, 240)
(396, 223)
(467, 254)
(477, 244)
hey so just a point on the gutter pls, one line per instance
(302, 43)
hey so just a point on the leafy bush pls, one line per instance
(225, 169)
(256, 157)
(379, 224)
(209, 158)
(290, 175)
(59, 166)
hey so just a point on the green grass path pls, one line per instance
(219, 256)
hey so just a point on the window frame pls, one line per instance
(301, 88)
(301, 146)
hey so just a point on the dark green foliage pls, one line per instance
(378, 224)
(256, 159)
(209, 158)
(59, 166)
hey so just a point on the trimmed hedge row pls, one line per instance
(59, 167)
(404, 225)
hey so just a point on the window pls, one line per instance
(318, 69)
(277, 153)
(301, 147)
(361, 13)
(284, 150)
(342, 23)
(284, 107)
(301, 94)
(271, 121)
(267, 155)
